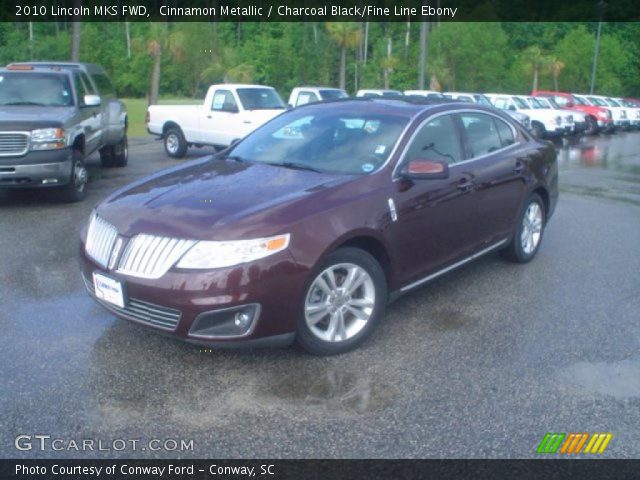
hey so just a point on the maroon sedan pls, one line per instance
(308, 227)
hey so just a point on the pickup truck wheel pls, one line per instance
(592, 126)
(121, 153)
(174, 143)
(538, 130)
(106, 157)
(76, 189)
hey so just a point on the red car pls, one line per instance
(598, 118)
(307, 227)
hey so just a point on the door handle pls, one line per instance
(465, 184)
(248, 122)
(519, 167)
(208, 116)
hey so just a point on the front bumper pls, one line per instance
(176, 303)
(47, 168)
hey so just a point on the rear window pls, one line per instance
(333, 94)
(260, 99)
(38, 89)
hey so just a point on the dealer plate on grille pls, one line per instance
(108, 289)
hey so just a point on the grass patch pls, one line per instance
(137, 109)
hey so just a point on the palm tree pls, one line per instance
(556, 66)
(160, 40)
(534, 62)
(346, 35)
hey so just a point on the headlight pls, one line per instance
(207, 255)
(47, 139)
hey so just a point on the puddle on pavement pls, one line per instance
(334, 390)
(601, 152)
(620, 379)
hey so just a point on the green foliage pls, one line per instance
(486, 56)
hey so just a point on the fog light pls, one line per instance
(227, 322)
(47, 181)
(242, 320)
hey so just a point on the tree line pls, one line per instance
(182, 59)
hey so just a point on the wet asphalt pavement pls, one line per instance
(479, 363)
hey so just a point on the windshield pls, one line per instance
(597, 101)
(535, 103)
(521, 103)
(325, 141)
(612, 102)
(41, 89)
(333, 94)
(579, 100)
(482, 100)
(260, 99)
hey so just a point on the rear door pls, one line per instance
(497, 161)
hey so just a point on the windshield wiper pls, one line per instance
(26, 103)
(297, 166)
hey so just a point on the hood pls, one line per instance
(21, 117)
(217, 200)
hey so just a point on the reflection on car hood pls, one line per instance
(23, 117)
(215, 199)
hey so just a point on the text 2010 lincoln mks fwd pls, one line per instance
(308, 227)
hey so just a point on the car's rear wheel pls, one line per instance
(115, 155)
(526, 241)
(174, 143)
(76, 189)
(344, 300)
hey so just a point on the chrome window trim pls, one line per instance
(396, 177)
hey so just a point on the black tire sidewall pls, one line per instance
(312, 344)
(69, 192)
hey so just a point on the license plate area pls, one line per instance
(109, 289)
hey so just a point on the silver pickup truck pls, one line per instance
(52, 117)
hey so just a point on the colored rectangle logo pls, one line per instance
(574, 443)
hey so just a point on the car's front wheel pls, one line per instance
(528, 236)
(76, 189)
(344, 300)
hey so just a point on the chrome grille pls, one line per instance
(139, 311)
(101, 236)
(148, 256)
(13, 143)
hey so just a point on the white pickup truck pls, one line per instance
(229, 112)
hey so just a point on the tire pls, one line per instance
(115, 155)
(174, 143)
(538, 130)
(327, 303)
(530, 228)
(592, 126)
(76, 189)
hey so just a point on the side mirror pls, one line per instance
(422, 168)
(570, 104)
(92, 101)
(511, 107)
(289, 106)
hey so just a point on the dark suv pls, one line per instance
(306, 228)
(52, 116)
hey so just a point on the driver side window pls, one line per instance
(436, 140)
(223, 101)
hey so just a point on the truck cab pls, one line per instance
(303, 95)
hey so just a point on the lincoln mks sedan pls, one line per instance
(307, 228)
